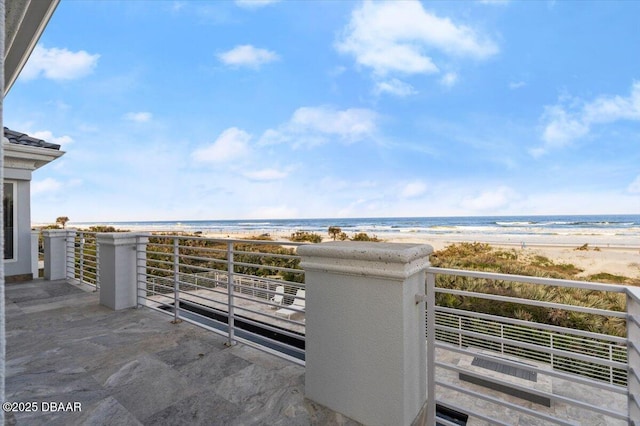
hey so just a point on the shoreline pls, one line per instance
(612, 254)
(604, 254)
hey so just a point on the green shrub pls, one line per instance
(304, 236)
(363, 236)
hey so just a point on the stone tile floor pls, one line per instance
(134, 367)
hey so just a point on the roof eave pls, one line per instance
(28, 157)
(25, 20)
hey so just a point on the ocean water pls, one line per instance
(518, 227)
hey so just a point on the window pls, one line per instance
(9, 220)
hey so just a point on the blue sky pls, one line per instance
(232, 110)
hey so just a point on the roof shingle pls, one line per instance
(24, 139)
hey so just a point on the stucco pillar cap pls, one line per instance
(382, 260)
(57, 232)
(121, 238)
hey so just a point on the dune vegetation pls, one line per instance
(483, 257)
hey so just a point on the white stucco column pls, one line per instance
(35, 235)
(633, 352)
(365, 334)
(55, 253)
(117, 270)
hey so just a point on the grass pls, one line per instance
(483, 257)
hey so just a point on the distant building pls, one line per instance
(22, 155)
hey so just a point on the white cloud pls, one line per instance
(46, 185)
(449, 79)
(634, 187)
(607, 109)
(232, 144)
(394, 87)
(59, 64)
(178, 6)
(248, 56)
(490, 200)
(562, 127)
(400, 36)
(316, 125)
(138, 117)
(47, 136)
(565, 123)
(413, 189)
(351, 124)
(254, 4)
(266, 175)
(516, 85)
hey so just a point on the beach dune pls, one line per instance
(601, 254)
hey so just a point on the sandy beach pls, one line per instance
(605, 254)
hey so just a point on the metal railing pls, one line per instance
(82, 258)
(253, 292)
(228, 286)
(569, 372)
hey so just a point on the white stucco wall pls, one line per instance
(19, 163)
(22, 221)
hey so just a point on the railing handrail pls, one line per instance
(522, 323)
(529, 279)
(231, 240)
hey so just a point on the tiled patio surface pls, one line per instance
(134, 367)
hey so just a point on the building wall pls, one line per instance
(20, 268)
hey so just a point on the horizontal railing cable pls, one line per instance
(501, 402)
(567, 356)
(525, 345)
(528, 324)
(527, 367)
(238, 282)
(534, 391)
(530, 302)
(553, 282)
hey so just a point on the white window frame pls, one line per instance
(14, 185)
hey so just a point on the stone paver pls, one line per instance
(134, 367)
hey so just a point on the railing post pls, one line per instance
(35, 255)
(231, 332)
(430, 292)
(365, 332)
(118, 268)
(71, 253)
(633, 354)
(459, 331)
(55, 254)
(502, 339)
(81, 256)
(176, 280)
(611, 359)
(141, 267)
(97, 260)
(551, 347)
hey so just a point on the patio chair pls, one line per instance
(298, 304)
(278, 298)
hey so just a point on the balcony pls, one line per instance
(133, 366)
(208, 339)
